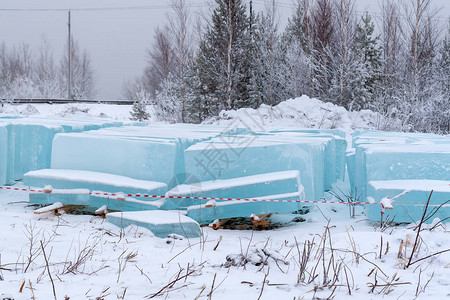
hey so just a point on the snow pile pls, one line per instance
(302, 112)
(73, 110)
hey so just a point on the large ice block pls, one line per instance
(245, 155)
(30, 141)
(160, 222)
(409, 207)
(394, 156)
(397, 162)
(243, 187)
(3, 153)
(78, 179)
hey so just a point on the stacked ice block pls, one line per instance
(404, 158)
(276, 186)
(191, 160)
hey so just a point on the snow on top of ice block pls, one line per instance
(234, 182)
(238, 141)
(95, 178)
(58, 122)
(154, 217)
(98, 137)
(413, 185)
(154, 131)
(408, 148)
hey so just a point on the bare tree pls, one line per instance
(346, 32)
(322, 35)
(179, 23)
(161, 59)
(82, 73)
(46, 72)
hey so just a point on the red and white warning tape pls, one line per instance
(189, 197)
(103, 194)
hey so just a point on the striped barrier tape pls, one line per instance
(9, 188)
(192, 197)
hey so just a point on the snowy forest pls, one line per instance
(396, 63)
(26, 75)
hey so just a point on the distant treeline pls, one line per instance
(27, 75)
(240, 58)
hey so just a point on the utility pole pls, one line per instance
(69, 60)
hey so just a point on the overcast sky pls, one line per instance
(115, 39)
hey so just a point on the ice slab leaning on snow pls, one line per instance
(212, 210)
(161, 223)
(242, 187)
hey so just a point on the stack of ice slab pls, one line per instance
(28, 142)
(276, 186)
(87, 188)
(154, 153)
(401, 157)
(233, 156)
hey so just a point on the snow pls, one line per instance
(89, 258)
(218, 184)
(73, 110)
(160, 259)
(89, 177)
(413, 185)
(302, 112)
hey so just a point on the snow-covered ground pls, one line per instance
(327, 255)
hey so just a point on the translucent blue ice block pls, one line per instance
(160, 222)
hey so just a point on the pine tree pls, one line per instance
(269, 82)
(444, 65)
(297, 29)
(442, 103)
(370, 54)
(222, 65)
(139, 110)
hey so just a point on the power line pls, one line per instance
(147, 7)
